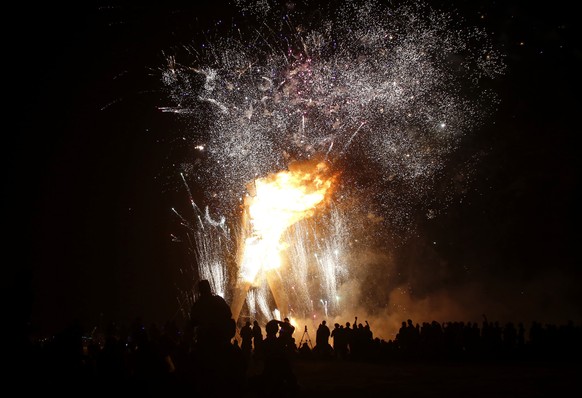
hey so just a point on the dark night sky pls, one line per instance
(85, 168)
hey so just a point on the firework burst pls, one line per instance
(382, 94)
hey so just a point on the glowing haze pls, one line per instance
(382, 94)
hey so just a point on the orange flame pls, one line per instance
(279, 201)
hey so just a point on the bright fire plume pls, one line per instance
(279, 201)
(274, 204)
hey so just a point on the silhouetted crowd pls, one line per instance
(212, 357)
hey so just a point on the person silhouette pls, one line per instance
(286, 335)
(211, 317)
(257, 336)
(219, 365)
(246, 334)
(278, 377)
(322, 347)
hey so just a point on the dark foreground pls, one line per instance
(437, 379)
(150, 362)
(338, 378)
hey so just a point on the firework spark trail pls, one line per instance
(301, 256)
(263, 303)
(399, 87)
(208, 237)
(252, 303)
(330, 258)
